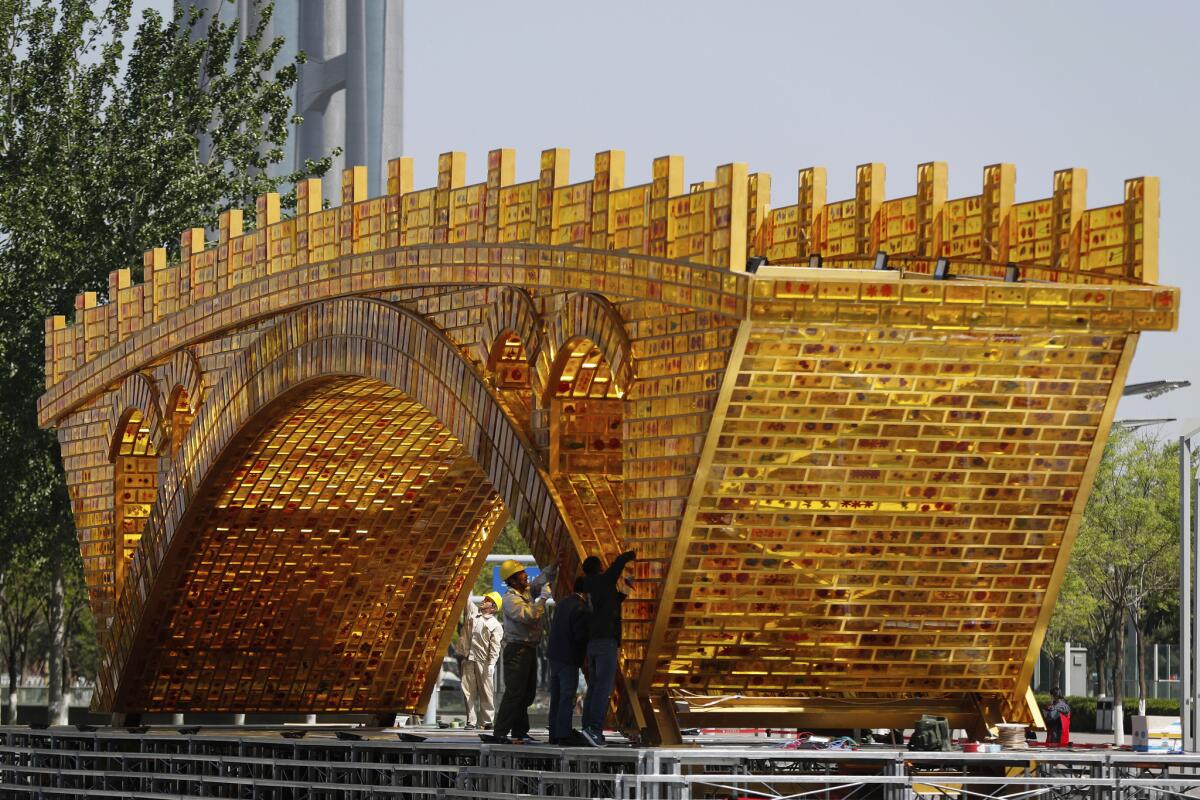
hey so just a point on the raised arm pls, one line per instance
(543, 577)
(619, 564)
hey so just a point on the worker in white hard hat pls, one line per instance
(479, 646)
(523, 609)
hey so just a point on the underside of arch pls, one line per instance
(416, 379)
(508, 365)
(582, 315)
(325, 557)
(585, 445)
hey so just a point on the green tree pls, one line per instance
(1127, 551)
(1074, 610)
(100, 159)
(20, 595)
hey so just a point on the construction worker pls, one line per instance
(1058, 719)
(604, 639)
(567, 653)
(479, 646)
(524, 605)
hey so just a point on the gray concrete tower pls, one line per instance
(350, 92)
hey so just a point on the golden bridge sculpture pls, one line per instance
(851, 441)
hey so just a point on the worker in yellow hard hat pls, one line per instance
(496, 599)
(478, 648)
(523, 607)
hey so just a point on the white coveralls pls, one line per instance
(479, 645)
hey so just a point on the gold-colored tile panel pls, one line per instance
(815, 538)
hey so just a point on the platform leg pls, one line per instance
(984, 725)
(665, 726)
(896, 790)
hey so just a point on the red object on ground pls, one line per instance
(1064, 736)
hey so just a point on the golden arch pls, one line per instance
(337, 341)
(512, 310)
(136, 437)
(735, 371)
(137, 394)
(182, 384)
(583, 315)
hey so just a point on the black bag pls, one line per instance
(930, 734)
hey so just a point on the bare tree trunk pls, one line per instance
(1141, 666)
(68, 687)
(56, 709)
(14, 687)
(1101, 673)
(1119, 687)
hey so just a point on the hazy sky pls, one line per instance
(1111, 87)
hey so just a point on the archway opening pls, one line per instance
(585, 460)
(508, 364)
(135, 487)
(322, 563)
(181, 416)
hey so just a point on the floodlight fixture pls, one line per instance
(1134, 424)
(1153, 389)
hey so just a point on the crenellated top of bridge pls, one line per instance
(709, 229)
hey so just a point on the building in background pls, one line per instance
(350, 91)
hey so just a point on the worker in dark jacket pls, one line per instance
(1058, 719)
(604, 639)
(567, 651)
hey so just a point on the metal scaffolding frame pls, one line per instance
(110, 763)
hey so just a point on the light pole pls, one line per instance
(1188, 636)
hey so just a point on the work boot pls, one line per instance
(575, 739)
(593, 738)
(488, 738)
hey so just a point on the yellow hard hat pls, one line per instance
(495, 598)
(510, 568)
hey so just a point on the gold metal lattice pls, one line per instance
(332, 541)
(135, 487)
(586, 420)
(884, 510)
(509, 365)
(842, 474)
